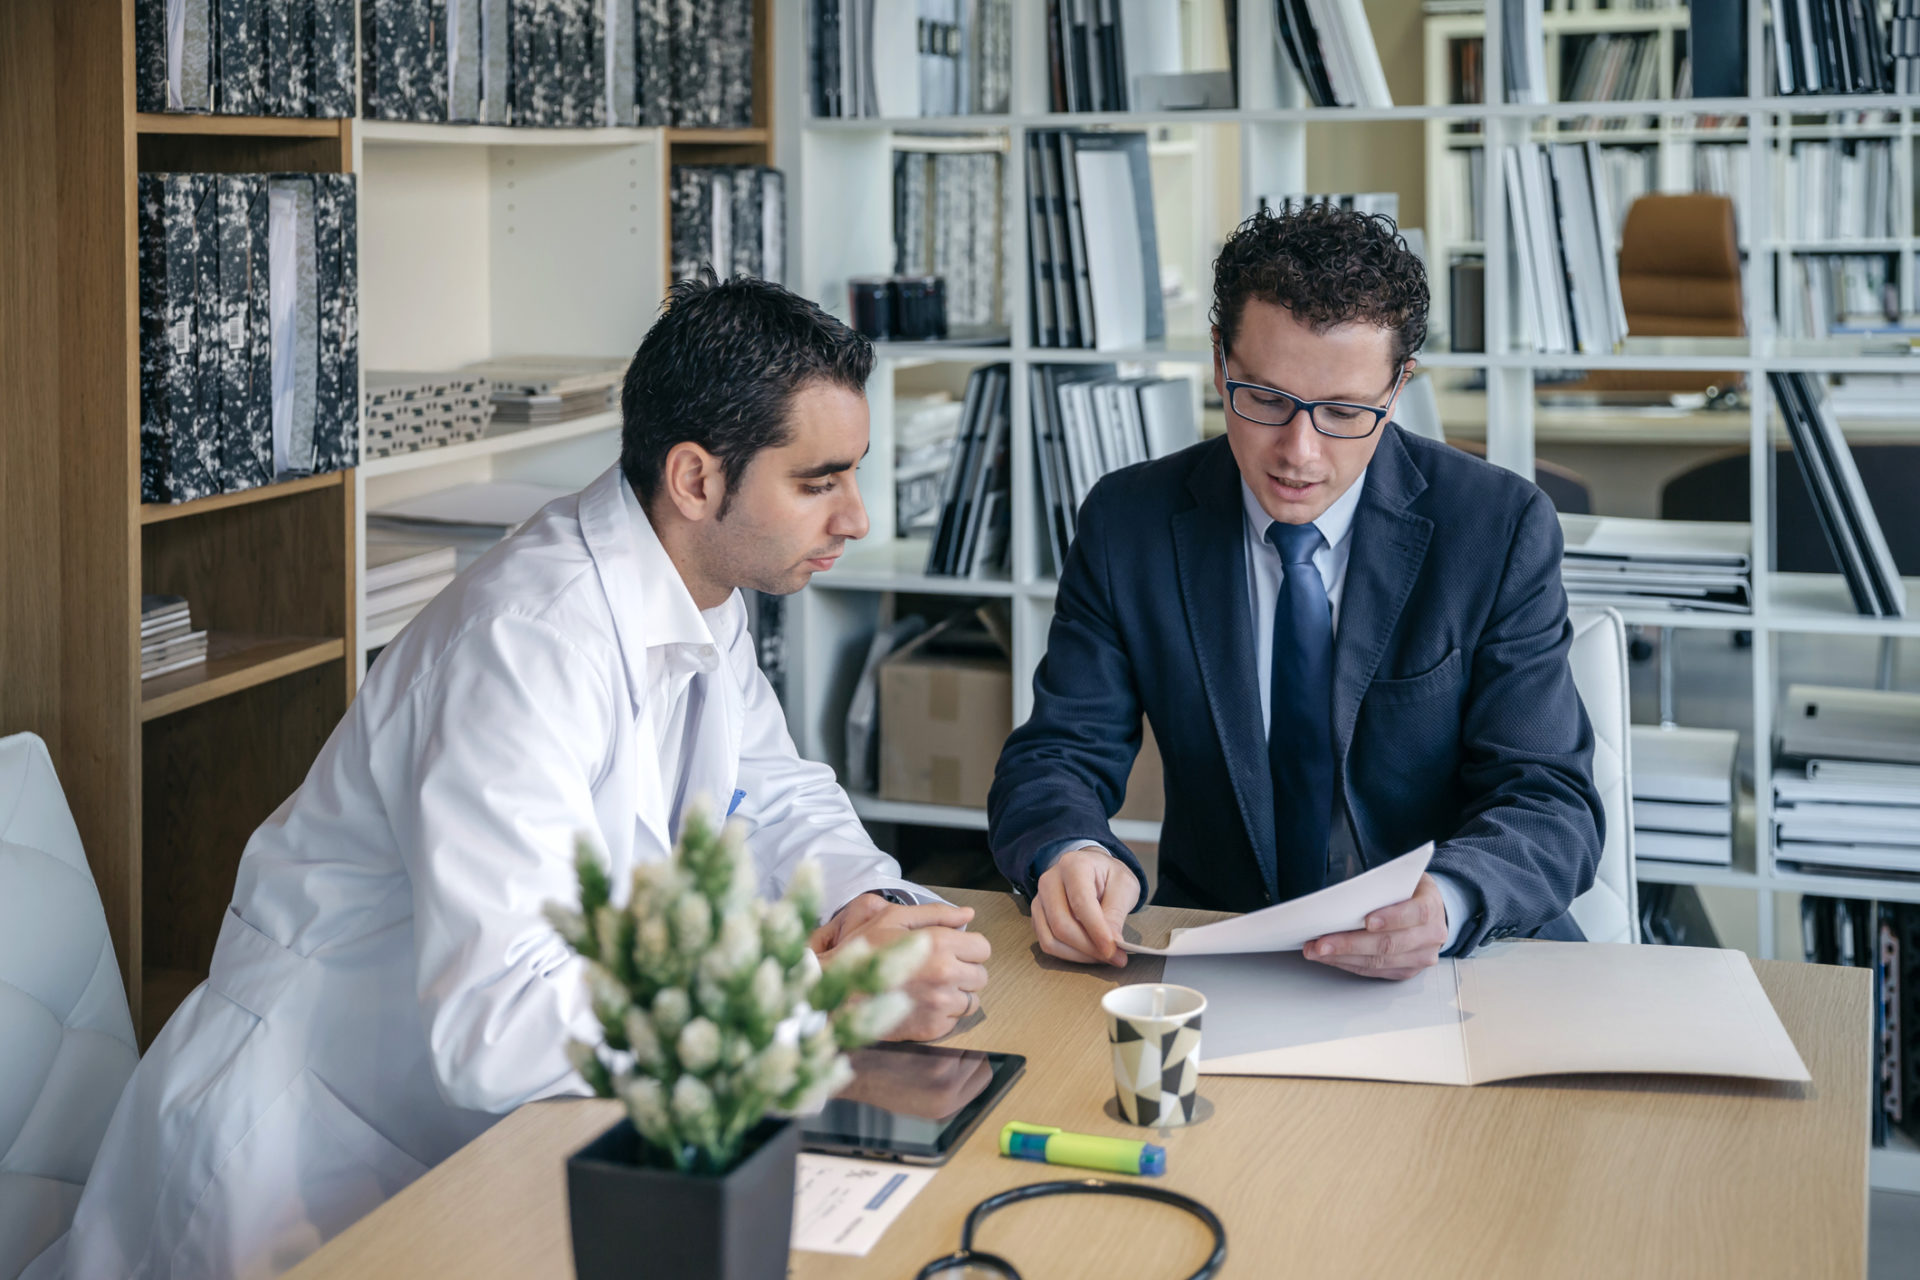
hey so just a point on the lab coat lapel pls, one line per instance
(713, 743)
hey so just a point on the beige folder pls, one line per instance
(1515, 1009)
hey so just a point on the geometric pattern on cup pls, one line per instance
(1156, 1074)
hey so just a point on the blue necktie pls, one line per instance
(1300, 734)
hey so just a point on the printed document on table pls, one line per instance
(1289, 926)
(844, 1206)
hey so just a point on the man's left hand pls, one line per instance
(947, 988)
(1398, 942)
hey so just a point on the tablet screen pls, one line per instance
(911, 1102)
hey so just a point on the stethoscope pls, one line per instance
(968, 1256)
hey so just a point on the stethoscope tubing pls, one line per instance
(967, 1255)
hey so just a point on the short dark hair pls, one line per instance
(1328, 266)
(720, 367)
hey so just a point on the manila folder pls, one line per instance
(1516, 1009)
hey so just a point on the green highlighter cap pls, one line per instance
(1085, 1151)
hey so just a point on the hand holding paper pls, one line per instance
(1289, 926)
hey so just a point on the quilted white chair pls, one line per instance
(1610, 910)
(66, 1040)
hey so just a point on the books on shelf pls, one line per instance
(1524, 50)
(1386, 203)
(1904, 39)
(168, 642)
(470, 518)
(1128, 55)
(1825, 294)
(1830, 47)
(1330, 45)
(1568, 271)
(286, 58)
(1087, 421)
(1716, 59)
(1874, 395)
(1610, 67)
(731, 217)
(1840, 501)
(1836, 191)
(925, 429)
(947, 217)
(1846, 780)
(544, 390)
(971, 536)
(1683, 794)
(401, 577)
(899, 58)
(559, 63)
(249, 347)
(406, 412)
(1679, 565)
(1095, 255)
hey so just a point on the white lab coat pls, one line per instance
(385, 986)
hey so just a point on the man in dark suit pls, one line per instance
(1348, 641)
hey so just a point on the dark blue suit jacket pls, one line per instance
(1455, 717)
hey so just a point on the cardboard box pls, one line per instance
(946, 708)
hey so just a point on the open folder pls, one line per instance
(1519, 1008)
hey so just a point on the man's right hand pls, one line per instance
(1083, 898)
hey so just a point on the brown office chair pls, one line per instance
(1679, 278)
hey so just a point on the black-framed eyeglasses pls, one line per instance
(1272, 407)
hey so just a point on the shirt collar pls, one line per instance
(1334, 524)
(670, 614)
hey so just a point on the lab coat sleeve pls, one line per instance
(795, 809)
(488, 779)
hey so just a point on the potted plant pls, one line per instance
(719, 1024)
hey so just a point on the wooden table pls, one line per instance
(1589, 1176)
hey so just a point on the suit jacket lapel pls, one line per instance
(1389, 546)
(1210, 555)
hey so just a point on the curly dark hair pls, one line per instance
(1328, 266)
(720, 368)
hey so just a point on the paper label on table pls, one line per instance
(1289, 926)
(844, 1206)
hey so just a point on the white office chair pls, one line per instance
(66, 1040)
(1610, 910)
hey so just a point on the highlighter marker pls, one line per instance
(1085, 1151)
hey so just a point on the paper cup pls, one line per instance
(1154, 1031)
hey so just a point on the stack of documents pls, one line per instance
(1846, 782)
(168, 641)
(1692, 566)
(401, 577)
(1839, 498)
(470, 518)
(407, 412)
(1683, 794)
(546, 389)
(971, 533)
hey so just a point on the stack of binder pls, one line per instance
(911, 57)
(408, 412)
(732, 218)
(168, 641)
(925, 430)
(970, 538)
(1687, 566)
(1088, 421)
(947, 215)
(1830, 47)
(1127, 55)
(401, 577)
(470, 518)
(1094, 254)
(1839, 498)
(1331, 47)
(1568, 271)
(285, 58)
(1846, 781)
(559, 63)
(1683, 794)
(249, 347)
(543, 390)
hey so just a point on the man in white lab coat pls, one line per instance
(384, 986)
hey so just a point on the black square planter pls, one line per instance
(633, 1219)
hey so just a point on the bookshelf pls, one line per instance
(840, 197)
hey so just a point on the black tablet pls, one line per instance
(911, 1102)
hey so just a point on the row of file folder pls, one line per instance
(970, 540)
(1562, 222)
(1840, 502)
(560, 63)
(947, 212)
(730, 217)
(1677, 565)
(1683, 794)
(1088, 421)
(910, 57)
(1846, 781)
(245, 57)
(1330, 44)
(249, 330)
(1093, 250)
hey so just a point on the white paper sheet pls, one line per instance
(844, 1206)
(1289, 926)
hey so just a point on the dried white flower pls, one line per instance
(769, 989)
(652, 942)
(850, 955)
(877, 1015)
(581, 1055)
(671, 1009)
(837, 1077)
(698, 1046)
(647, 1107)
(738, 949)
(899, 962)
(692, 1102)
(570, 924)
(775, 1069)
(643, 1039)
(780, 927)
(608, 993)
(692, 924)
(805, 890)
